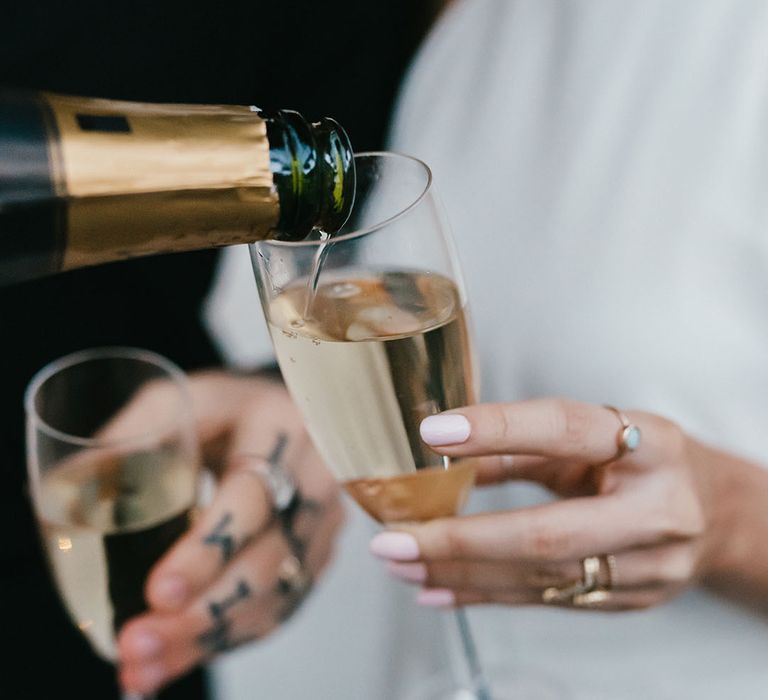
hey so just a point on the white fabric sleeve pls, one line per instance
(232, 313)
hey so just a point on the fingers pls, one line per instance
(246, 602)
(560, 531)
(638, 578)
(562, 476)
(553, 428)
(655, 567)
(240, 510)
(618, 601)
(154, 648)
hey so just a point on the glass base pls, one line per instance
(506, 684)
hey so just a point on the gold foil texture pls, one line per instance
(178, 177)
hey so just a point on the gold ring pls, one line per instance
(590, 598)
(627, 439)
(613, 572)
(293, 585)
(589, 582)
(292, 579)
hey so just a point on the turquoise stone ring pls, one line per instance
(628, 438)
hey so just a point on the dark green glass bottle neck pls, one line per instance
(314, 173)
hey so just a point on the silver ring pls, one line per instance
(278, 482)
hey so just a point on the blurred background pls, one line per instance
(603, 165)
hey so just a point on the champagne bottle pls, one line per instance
(86, 181)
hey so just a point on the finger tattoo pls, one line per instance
(218, 636)
(220, 537)
(288, 521)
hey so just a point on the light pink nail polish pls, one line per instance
(436, 598)
(445, 429)
(395, 545)
(171, 590)
(415, 572)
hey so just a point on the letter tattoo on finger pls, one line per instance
(218, 636)
(219, 537)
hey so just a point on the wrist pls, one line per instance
(734, 485)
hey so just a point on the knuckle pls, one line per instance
(571, 422)
(547, 543)
(676, 568)
(454, 542)
(671, 435)
(502, 428)
(678, 519)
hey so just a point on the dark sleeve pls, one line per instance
(342, 59)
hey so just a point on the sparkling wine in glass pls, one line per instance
(371, 331)
(113, 487)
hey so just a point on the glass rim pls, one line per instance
(395, 155)
(78, 357)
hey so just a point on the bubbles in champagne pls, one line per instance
(342, 290)
(383, 350)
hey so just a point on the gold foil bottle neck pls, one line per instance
(150, 178)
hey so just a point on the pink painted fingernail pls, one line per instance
(171, 591)
(445, 429)
(145, 645)
(413, 572)
(395, 545)
(436, 598)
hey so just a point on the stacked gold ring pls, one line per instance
(590, 590)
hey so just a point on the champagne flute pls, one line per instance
(371, 332)
(113, 488)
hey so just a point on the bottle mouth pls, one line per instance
(339, 178)
(314, 174)
(368, 166)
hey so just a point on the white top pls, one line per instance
(605, 168)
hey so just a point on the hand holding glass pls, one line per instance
(113, 488)
(370, 329)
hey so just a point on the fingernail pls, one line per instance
(171, 591)
(450, 429)
(145, 644)
(436, 598)
(395, 545)
(414, 573)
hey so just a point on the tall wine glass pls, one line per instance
(371, 332)
(112, 488)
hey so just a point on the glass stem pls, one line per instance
(479, 682)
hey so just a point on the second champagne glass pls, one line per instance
(371, 332)
(113, 486)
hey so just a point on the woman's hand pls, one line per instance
(670, 513)
(239, 571)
